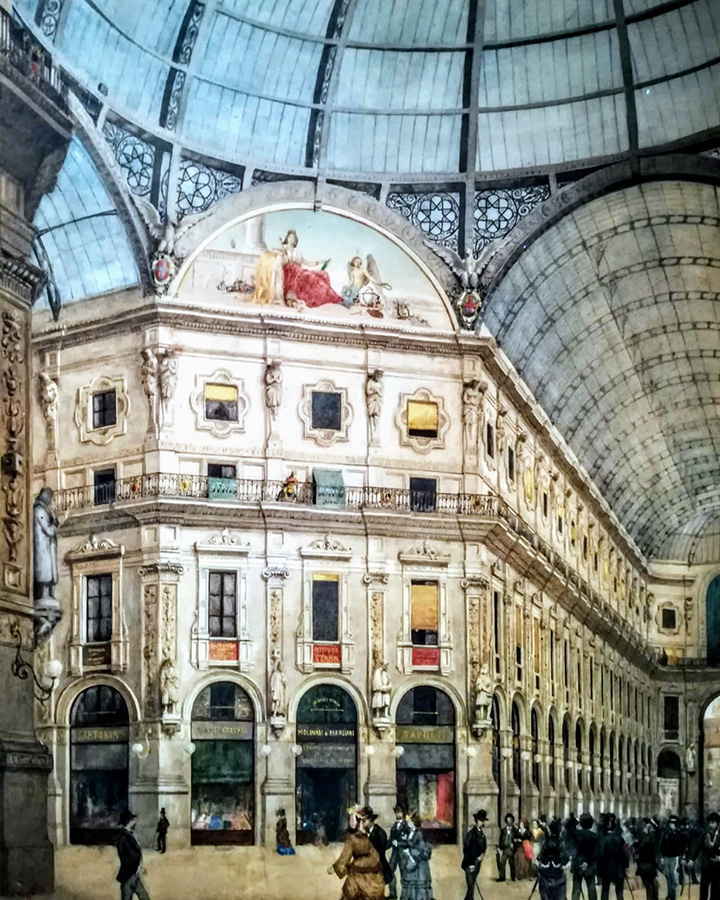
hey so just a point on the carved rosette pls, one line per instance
(12, 355)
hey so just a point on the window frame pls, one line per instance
(102, 578)
(223, 575)
(95, 413)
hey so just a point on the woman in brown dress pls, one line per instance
(359, 864)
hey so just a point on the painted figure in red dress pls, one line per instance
(283, 276)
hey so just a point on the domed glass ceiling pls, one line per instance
(397, 87)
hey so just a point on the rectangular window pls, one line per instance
(566, 670)
(592, 680)
(423, 492)
(545, 504)
(584, 547)
(490, 440)
(560, 525)
(222, 593)
(511, 463)
(496, 630)
(104, 409)
(552, 662)
(220, 470)
(422, 418)
(519, 640)
(671, 717)
(669, 618)
(424, 613)
(104, 486)
(221, 482)
(326, 608)
(326, 410)
(221, 402)
(99, 609)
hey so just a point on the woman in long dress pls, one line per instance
(413, 857)
(359, 864)
(284, 276)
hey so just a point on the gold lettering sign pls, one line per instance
(325, 733)
(424, 734)
(99, 735)
(222, 731)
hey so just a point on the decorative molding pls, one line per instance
(422, 444)
(158, 569)
(375, 578)
(325, 437)
(224, 541)
(326, 547)
(219, 428)
(84, 413)
(95, 547)
(270, 572)
(424, 554)
(150, 660)
(12, 465)
(477, 582)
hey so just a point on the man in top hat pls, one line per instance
(474, 847)
(161, 831)
(508, 843)
(378, 838)
(672, 848)
(584, 864)
(130, 859)
(395, 835)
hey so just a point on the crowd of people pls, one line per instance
(604, 854)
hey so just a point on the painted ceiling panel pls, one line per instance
(513, 19)
(240, 56)
(409, 22)
(370, 79)
(630, 394)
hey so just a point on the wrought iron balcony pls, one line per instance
(20, 54)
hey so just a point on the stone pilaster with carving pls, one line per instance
(275, 577)
(479, 684)
(160, 690)
(376, 586)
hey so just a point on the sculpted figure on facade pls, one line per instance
(483, 697)
(526, 471)
(690, 758)
(374, 398)
(45, 568)
(278, 691)
(48, 395)
(472, 399)
(381, 687)
(167, 381)
(273, 387)
(149, 378)
(169, 686)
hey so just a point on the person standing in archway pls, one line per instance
(710, 877)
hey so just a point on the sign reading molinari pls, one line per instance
(337, 733)
(222, 731)
(100, 735)
(424, 734)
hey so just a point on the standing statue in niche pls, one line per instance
(149, 378)
(374, 398)
(169, 686)
(167, 380)
(381, 687)
(278, 691)
(690, 758)
(45, 569)
(483, 697)
(48, 394)
(273, 387)
(472, 398)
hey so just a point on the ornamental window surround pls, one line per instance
(425, 614)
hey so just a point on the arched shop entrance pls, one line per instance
(223, 766)
(668, 782)
(98, 765)
(425, 771)
(326, 768)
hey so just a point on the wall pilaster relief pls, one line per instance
(13, 463)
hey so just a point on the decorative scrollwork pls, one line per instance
(200, 186)
(437, 215)
(48, 17)
(496, 212)
(135, 157)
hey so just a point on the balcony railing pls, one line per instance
(20, 53)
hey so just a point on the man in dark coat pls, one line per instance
(474, 847)
(508, 843)
(161, 831)
(672, 850)
(612, 859)
(378, 838)
(710, 875)
(395, 836)
(646, 860)
(551, 863)
(584, 864)
(130, 856)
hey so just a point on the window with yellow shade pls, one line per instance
(221, 402)
(424, 613)
(422, 418)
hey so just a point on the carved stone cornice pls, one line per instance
(95, 548)
(326, 547)
(477, 582)
(158, 569)
(424, 554)
(20, 277)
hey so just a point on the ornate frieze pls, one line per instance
(12, 475)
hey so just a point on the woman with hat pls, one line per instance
(359, 864)
(414, 860)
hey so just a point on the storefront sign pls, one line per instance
(327, 756)
(222, 731)
(334, 733)
(426, 656)
(223, 650)
(424, 734)
(326, 653)
(100, 735)
(96, 656)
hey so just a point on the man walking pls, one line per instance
(584, 863)
(672, 849)
(395, 836)
(710, 876)
(161, 831)
(130, 856)
(474, 847)
(612, 859)
(646, 860)
(508, 843)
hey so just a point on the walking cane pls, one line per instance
(533, 888)
(477, 888)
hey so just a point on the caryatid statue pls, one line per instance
(472, 400)
(273, 387)
(374, 399)
(45, 568)
(483, 696)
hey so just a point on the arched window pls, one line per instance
(566, 753)
(516, 758)
(611, 761)
(591, 754)
(551, 749)
(621, 764)
(578, 753)
(601, 769)
(535, 748)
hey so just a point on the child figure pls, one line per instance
(282, 835)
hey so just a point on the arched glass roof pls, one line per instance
(397, 87)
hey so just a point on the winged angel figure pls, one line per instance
(468, 270)
(365, 287)
(164, 261)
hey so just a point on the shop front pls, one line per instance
(425, 768)
(223, 766)
(98, 765)
(326, 767)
